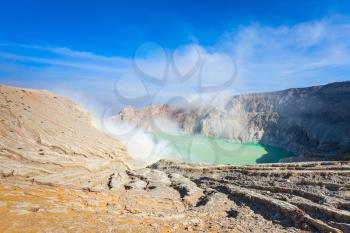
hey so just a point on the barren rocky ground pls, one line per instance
(60, 174)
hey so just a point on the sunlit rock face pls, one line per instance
(311, 121)
(50, 139)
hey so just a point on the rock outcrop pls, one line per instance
(313, 122)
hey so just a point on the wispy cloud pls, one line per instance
(292, 56)
(254, 58)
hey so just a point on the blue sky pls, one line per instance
(80, 48)
(115, 28)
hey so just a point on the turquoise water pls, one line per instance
(202, 149)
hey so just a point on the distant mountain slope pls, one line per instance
(313, 121)
(50, 139)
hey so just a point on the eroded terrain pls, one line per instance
(177, 197)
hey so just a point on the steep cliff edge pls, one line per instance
(312, 121)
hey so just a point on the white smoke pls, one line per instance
(141, 145)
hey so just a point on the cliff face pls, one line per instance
(312, 121)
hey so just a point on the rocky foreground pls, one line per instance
(177, 197)
(60, 174)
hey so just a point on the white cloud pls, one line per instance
(272, 58)
(255, 58)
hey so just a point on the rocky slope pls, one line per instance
(311, 121)
(50, 139)
(60, 174)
